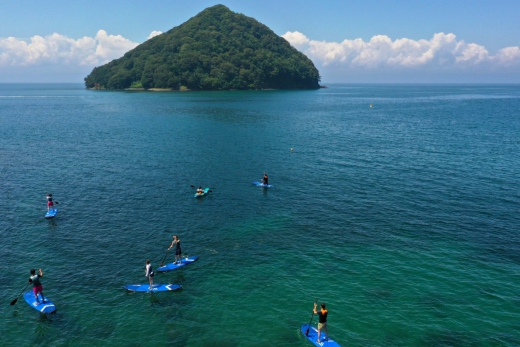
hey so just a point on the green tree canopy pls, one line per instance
(216, 50)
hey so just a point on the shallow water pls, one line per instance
(403, 217)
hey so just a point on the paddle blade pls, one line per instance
(14, 301)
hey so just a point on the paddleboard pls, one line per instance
(260, 184)
(206, 191)
(312, 336)
(51, 213)
(43, 306)
(145, 288)
(172, 266)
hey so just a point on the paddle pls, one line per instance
(312, 316)
(15, 300)
(162, 262)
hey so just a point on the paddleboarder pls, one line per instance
(266, 179)
(149, 273)
(200, 191)
(322, 320)
(178, 252)
(37, 286)
(50, 204)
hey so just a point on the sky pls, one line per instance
(368, 41)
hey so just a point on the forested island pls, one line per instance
(216, 50)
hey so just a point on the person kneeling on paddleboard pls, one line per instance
(266, 179)
(178, 252)
(149, 273)
(200, 191)
(322, 321)
(37, 286)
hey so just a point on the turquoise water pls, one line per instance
(403, 217)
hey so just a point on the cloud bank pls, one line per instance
(443, 52)
(58, 58)
(57, 49)
(380, 56)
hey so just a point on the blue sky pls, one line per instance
(369, 41)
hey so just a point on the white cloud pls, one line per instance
(296, 38)
(508, 56)
(381, 52)
(58, 49)
(154, 33)
(110, 46)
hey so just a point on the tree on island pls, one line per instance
(216, 50)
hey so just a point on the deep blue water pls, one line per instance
(403, 217)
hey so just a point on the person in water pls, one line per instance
(178, 252)
(200, 191)
(37, 286)
(50, 204)
(149, 273)
(322, 321)
(265, 179)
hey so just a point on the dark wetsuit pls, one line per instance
(178, 250)
(266, 180)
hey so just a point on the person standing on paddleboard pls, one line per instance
(178, 252)
(149, 273)
(266, 179)
(322, 320)
(50, 204)
(37, 286)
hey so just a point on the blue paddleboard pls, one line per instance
(145, 288)
(260, 184)
(312, 336)
(172, 266)
(43, 307)
(51, 213)
(206, 191)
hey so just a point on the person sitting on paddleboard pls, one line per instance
(149, 273)
(50, 204)
(266, 179)
(37, 286)
(322, 320)
(200, 190)
(178, 252)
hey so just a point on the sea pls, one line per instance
(396, 205)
